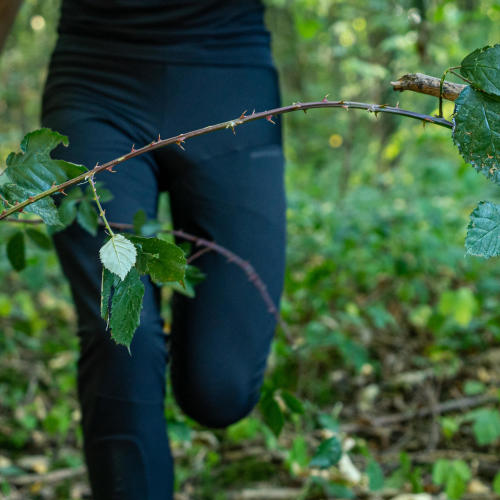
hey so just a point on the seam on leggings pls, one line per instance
(133, 401)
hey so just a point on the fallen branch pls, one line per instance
(425, 84)
(445, 407)
(50, 477)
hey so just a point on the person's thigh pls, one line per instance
(230, 189)
(122, 395)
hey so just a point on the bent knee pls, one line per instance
(218, 406)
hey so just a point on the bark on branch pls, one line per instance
(425, 84)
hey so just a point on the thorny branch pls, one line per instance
(231, 124)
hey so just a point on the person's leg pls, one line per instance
(227, 188)
(121, 396)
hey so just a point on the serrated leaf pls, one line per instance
(126, 308)
(271, 411)
(162, 260)
(482, 68)
(39, 239)
(16, 251)
(476, 131)
(483, 232)
(33, 168)
(108, 280)
(118, 255)
(327, 454)
(45, 207)
(87, 217)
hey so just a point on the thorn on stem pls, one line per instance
(133, 148)
(269, 118)
(325, 99)
(110, 169)
(242, 115)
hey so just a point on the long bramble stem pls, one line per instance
(230, 124)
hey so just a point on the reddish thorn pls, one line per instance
(133, 149)
(62, 191)
(325, 99)
(269, 118)
(110, 169)
(253, 112)
(31, 198)
(345, 106)
(179, 143)
(242, 115)
(159, 138)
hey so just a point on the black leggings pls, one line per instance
(224, 187)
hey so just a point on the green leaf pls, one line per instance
(45, 207)
(476, 131)
(192, 277)
(108, 280)
(271, 411)
(292, 403)
(482, 68)
(486, 426)
(327, 454)
(118, 255)
(164, 261)
(126, 308)
(87, 217)
(454, 475)
(483, 232)
(455, 486)
(67, 207)
(40, 239)
(16, 251)
(139, 220)
(496, 483)
(375, 476)
(34, 169)
(440, 472)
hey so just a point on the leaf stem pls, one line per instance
(101, 211)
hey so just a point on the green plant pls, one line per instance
(34, 177)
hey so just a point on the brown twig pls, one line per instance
(425, 84)
(50, 477)
(247, 268)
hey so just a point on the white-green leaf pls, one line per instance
(118, 255)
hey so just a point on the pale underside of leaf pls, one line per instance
(118, 255)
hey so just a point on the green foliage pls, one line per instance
(475, 133)
(126, 306)
(482, 68)
(486, 425)
(328, 453)
(375, 475)
(16, 251)
(162, 260)
(453, 475)
(271, 412)
(118, 255)
(33, 170)
(483, 232)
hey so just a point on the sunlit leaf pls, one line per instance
(118, 255)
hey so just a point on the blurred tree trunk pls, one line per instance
(8, 11)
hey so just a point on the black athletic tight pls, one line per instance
(224, 187)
